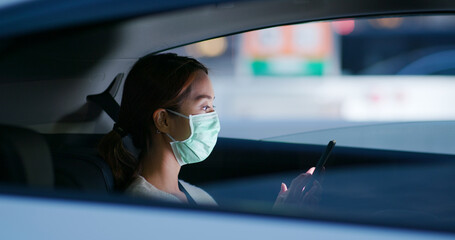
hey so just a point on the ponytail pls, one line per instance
(123, 164)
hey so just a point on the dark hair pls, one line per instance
(155, 81)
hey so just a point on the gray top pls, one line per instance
(140, 187)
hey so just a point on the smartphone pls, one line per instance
(323, 159)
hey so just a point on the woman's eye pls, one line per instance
(205, 108)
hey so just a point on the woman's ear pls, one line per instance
(160, 118)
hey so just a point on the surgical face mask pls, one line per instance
(198, 146)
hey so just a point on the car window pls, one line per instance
(380, 84)
(333, 74)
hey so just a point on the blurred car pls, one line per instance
(62, 64)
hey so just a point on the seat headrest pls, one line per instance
(25, 158)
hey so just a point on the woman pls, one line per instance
(167, 110)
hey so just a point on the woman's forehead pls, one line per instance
(202, 87)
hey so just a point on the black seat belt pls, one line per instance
(106, 100)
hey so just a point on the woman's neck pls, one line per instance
(160, 168)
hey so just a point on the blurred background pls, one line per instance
(322, 75)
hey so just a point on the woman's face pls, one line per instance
(199, 101)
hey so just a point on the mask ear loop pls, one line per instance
(178, 114)
(173, 140)
(159, 132)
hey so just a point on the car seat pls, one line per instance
(78, 166)
(25, 158)
(81, 168)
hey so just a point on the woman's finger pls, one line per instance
(311, 197)
(284, 188)
(302, 180)
(283, 192)
(310, 188)
(312, 191)
(311, 170)
(295, 190)
(282, 195)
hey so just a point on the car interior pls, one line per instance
(60, 87)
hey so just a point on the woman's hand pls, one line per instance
(297, 194)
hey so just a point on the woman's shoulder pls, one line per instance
(137, 185)
(141, 188)
(198, 194)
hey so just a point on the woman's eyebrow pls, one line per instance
(203, 96)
